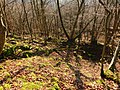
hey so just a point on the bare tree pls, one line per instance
(110, 14)
(26, 17)
(73, 37)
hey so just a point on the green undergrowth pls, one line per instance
(112, 76)
(55, 85)
(23, 50)
(15, 50)
(31, 86)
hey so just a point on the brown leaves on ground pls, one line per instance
(51, 73)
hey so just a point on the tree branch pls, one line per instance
(62, 20)
(115, 55)
(105, 7)
(84, 28)
(76, 20)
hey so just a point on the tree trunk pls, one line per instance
(26, 17)
(113, 61)
(2, 33)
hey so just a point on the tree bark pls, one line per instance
(62, 20)
(2, 29)
(2, 35)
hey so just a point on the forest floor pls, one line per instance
(35, 66)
